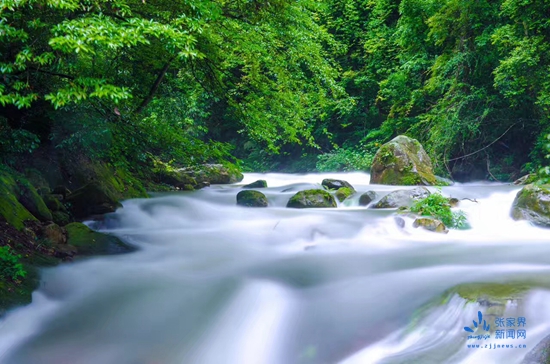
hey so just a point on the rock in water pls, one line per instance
(532, 203)
(258, 184)
(311, 198)
(402, 198)
(367, 198)
(343, 193)
(402, 161)
(251, 198)
(335, 184)
(430, 224)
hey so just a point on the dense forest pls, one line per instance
(277, 85)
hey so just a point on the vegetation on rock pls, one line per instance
(438, 206)
(311, 199)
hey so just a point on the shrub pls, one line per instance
(437, 206)
(10, 266)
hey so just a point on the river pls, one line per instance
(215, 283)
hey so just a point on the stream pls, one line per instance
(215, 283)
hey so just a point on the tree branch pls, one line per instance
(154, 87)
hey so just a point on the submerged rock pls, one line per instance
(366, 198)
(311, 198)
(251, 198)
(402, 198)
(335, 184)
(532, 203)
(399, 221)
(402, 161)
(258, 184)
(89, 242)
(343, 193)
(430, 224)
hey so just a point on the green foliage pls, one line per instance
(10, 266)
(437, 206)
(344, 159)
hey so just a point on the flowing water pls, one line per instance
(216, 283)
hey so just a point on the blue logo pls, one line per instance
(486, 327)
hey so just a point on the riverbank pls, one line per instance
(43, 204)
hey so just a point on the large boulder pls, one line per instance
(532, 203)
(250, 198)
(402, 198)
(213, 173)
(335, 184)
(311, 198)
(402, 161)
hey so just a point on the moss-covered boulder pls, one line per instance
(61, 218)
(89, 242)
(402, 198)
(402, 161)
(176, 179)
(430, 224)
(311, 199)
(53, 202)
(92, 199)
(19, 200)
(31, 200)
(257, 184)
(532, 203)
(366, 198)
(214, 173)
(344, 192)
(335, 184)
(250, 198)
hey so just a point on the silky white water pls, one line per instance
(216, 283)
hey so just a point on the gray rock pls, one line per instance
(335, 184)
(402, 198)
(366, 198)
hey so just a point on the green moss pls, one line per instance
(89, 242)
(312, 198)
(250, 198)
(11, 210)
(61, 218)
(344, 192)
(31, 200)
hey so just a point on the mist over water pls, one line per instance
(216, 283)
